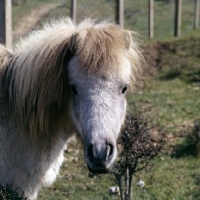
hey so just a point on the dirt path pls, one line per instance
(28, 22)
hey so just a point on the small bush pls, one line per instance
(138, 144)
(8, 193)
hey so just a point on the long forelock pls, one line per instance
(100, 49)
(39, 74)
(103, 48)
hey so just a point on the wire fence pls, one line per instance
(27, 13)
(136, 16)
(101, 9)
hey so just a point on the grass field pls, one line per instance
(169, 96)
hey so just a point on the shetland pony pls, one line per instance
(60, 80)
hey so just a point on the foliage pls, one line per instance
(8, 193)
(138, 145)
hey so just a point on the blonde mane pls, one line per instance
(34, 82)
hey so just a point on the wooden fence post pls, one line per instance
(2, 22)
(73, 10)
(120, 13)
(151, 18)
(8, 22)
(177, 24)
(196, 14)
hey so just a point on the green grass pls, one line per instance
(172, 94)
(171, 179)
(172, 103)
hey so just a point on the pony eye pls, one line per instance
(124, 89)
(73, 88)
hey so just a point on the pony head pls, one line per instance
(73, 76)
(105, 65)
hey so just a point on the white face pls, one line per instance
(98, 108)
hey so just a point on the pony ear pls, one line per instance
(127, 39)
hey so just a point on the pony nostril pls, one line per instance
(100, 156)
(109, 151)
